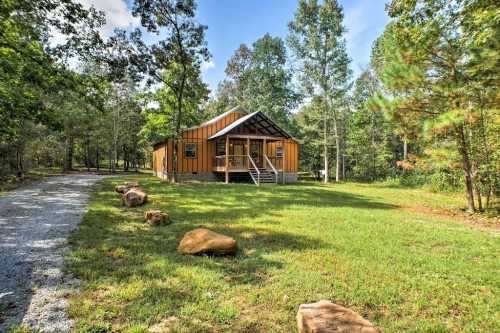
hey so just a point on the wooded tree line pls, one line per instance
(425, 110)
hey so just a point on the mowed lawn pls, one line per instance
(367, 247)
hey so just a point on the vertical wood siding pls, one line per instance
(205, 150)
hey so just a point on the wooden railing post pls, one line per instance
(227, 160)
(248, 152)
(264, 152)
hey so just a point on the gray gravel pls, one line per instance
(35, 222)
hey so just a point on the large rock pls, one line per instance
(327, 317)
(156, 217)
(202, 240)
(125, 187)
(134, 197)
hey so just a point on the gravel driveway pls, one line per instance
(34, 224)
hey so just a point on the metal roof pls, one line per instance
(258, 122)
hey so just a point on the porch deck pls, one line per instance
(261, 169)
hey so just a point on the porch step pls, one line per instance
(266, 176)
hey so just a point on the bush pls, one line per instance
(445, 181)
(414, 178)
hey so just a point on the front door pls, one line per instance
(238, 151)
(256, 152)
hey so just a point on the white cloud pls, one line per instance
(206, 65)
(117, 14)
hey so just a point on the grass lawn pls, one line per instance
(404, 269)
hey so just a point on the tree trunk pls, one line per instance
(343, 166)
(68, 161)
(135, 160)
(325, 149)
(19, 162)
(405, 149)
(337, 146)
(178, 125)
(87, 152)
(466, 165)
(479, 199)
(115, 140)
(97, 157)
(125, 158)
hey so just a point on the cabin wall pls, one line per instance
(158, 163)
(291, 154)
(205, 150)
(201, 166)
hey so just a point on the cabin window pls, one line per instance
(279, 151)
(220, 148)
(190, 150)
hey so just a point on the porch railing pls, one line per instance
(269, 163)
(235, 162)
(277, 162)
(253, 166)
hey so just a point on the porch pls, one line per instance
(249, 154)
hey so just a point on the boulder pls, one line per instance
(134, 197)
(327, 317)
(125, 187)
(156, 217)
(202, 240)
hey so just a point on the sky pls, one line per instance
(233, 22)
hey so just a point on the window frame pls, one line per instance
(191, 144)
(279, 152)
(218, 145)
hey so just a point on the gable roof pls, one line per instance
(258, 121)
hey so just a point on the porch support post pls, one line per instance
(227, 160)
(248, 152)
(264, 151)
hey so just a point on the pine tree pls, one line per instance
(316, 38)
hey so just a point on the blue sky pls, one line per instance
(232, 22)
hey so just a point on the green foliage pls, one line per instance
(428, 60)
(370, 137)
(259, 80)
(316, 38)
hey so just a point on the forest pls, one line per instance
(424, 112)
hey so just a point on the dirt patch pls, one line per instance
(474, 220)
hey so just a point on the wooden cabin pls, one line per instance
(234, 146)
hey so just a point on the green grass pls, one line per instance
(349, 243)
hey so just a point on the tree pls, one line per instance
(33, 70)
(369, 136)
(160, 122)
(259, 80)
(180, 54)
(439, 64)
(316, 39)
(309, 119)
